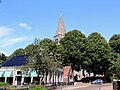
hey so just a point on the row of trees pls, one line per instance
(92, 53)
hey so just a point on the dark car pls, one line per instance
(97, 81)
(2, 89)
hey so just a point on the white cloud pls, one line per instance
(25, 26)
(14, 41)
(5, 31)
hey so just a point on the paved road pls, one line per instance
(95, 87)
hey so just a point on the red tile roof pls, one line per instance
(67, 70)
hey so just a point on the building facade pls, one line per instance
(12, 73)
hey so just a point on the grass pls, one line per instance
(37, 87)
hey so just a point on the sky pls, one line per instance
(21, 21)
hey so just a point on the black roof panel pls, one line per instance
(16, 61)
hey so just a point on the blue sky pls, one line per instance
(23, 20)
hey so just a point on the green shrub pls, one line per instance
(3, 84)
(38, 88)
(37, 83)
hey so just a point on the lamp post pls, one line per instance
(51, 56)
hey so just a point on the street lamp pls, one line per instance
(51, 57)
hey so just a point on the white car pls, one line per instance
(97, 81)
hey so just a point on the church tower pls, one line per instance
(60, 31)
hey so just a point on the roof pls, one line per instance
(16, 61)
(60, 29)
(67, 70)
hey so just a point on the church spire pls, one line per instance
(60, 32)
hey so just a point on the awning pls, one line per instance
(8, 74)
(1, 73)
(33, 74)
(30, 74)
(26, 74)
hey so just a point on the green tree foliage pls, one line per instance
(39, 59)
(39, 62)
(72, 46)
(2, 58)
(58, 51)
(17, 52)
(93, 54)
(97, 54)
(115, 67)
(30, 49)
(48, 45)
(115, 43)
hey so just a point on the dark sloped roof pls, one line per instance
(16, 61)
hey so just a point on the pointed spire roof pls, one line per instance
(60, 28)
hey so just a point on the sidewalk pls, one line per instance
(110, 88)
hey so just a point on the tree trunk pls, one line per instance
(42, 79)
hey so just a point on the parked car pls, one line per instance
(97, 81)
(2, 89)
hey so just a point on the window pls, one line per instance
(19, 72)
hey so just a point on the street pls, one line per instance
(95, 87)
(88, 87)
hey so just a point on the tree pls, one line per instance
(97, 54)
(30, 49)
(48, 45)
(17, 52)
(115, 43)
(2, 58)
(39, 60)
(72, 46)
(115, 67)
(39, 63)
